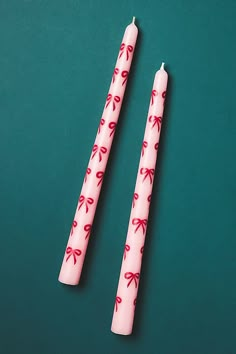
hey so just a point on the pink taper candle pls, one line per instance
(83, 220)
(125, 301)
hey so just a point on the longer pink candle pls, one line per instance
(125, 301)
(84, 215)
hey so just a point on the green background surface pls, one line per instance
(56, 61)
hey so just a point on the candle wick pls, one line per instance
(133, 19)
(162, 66)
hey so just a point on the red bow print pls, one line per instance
(141, 250)
(128, 48)
(156, 121)
(140, 223)
(102, 122)
(156, 146)
(127, 248)
(135, 197)
(101, 150)
(124, 74)
(86, 202)
(147, 172)
(99, 175)
(74, 224)
(117, 302)
(88, 171)
(112, 126)
(132, 277)
(73, 252)
(164, 94)
(149, 198)
(87, 228)
(153, 95)
(116, 72)
(114, 99)
(135, 301)
(144, 146)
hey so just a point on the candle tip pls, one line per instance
(133, 19)
(162, 66)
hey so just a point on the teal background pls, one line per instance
(56, 61)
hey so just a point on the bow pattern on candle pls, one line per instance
(73, 252)
(113, 99)
(99, 175)
(156, 146)
(149, 198)
(153, 95)
(100, 149)
(74, 224)
(87, 228)
(140, 223)
(156, 121)
(147, 172)
(135, 301)
(132, 277)
(144, 146)
(141, 250)
(126, 48)
(116, 72)
(135, 197)
(86, 202)
(102, 122)
(127, 249)
(164, 97)
(117, 302)
(88, 171)
(112, 126)
(125, 75)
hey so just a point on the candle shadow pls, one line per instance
(89, 263)
(143, 289)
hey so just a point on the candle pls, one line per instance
(125, 301)
(81, 226)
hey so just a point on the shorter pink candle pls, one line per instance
(126, 296)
